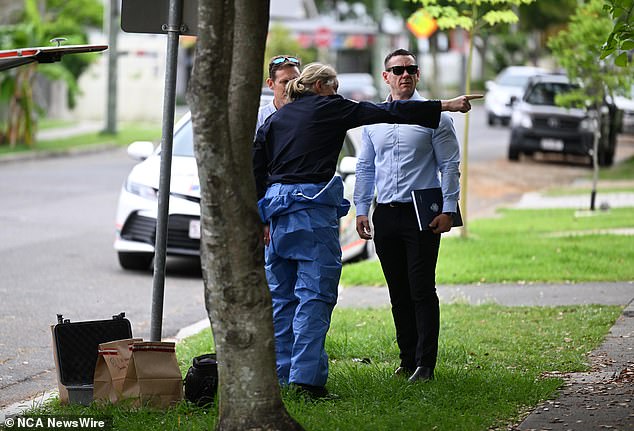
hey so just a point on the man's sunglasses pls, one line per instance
(398, 70)
(281, 60)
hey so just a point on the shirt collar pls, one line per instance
(415, 96)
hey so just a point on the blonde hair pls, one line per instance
(312, 73)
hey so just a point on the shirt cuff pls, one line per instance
(362, 209)
(450, 207)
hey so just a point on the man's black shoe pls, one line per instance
(403, 372)
(310, 391)
(422, 374)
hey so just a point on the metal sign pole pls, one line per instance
(173, 29)
(113, 61)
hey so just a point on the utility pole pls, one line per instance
(113, 32)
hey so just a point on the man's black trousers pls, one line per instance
(408, 257)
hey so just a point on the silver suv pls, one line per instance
(538, 124)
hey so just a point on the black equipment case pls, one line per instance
(75, 346)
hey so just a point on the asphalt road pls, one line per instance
(485, 143)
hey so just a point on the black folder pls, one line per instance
(428, 204)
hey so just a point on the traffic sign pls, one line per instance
(323, 37)
(150, 16)
(422, 24)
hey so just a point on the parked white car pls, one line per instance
(138, 204)
(509, 83)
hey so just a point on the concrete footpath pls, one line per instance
(602, 398)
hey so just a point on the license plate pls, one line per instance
(552, 144)
(194, 229)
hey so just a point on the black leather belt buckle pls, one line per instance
(397, 204)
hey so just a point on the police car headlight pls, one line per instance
(141, 190)
(521, 119)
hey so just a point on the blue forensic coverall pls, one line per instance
(294, 161)
(303, 266)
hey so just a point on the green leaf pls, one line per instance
(494, 17)
(627, 45)
(621, 60)
(7, 88)
(450, 22)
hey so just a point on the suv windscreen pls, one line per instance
(543, 93)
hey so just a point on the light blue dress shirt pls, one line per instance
(264, 112)
(399, 158)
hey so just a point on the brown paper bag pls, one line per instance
(153, 377)
(111, 368)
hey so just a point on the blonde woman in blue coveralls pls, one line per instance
(300, 200)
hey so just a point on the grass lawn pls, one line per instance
(524, 246)
(622, 171)
(491, 370)
(47, 123)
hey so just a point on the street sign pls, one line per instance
(46, 54)
(323, 37)
(151, 16)
(421, 24)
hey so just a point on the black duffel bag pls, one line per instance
(201, 380)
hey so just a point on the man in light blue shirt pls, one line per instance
(397, 159)
(282, 68)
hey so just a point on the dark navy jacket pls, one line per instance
(300, 143)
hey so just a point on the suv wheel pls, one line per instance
(514, 154)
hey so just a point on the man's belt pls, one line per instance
(397, 204)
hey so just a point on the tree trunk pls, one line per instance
(224, 98)
(20, 124)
